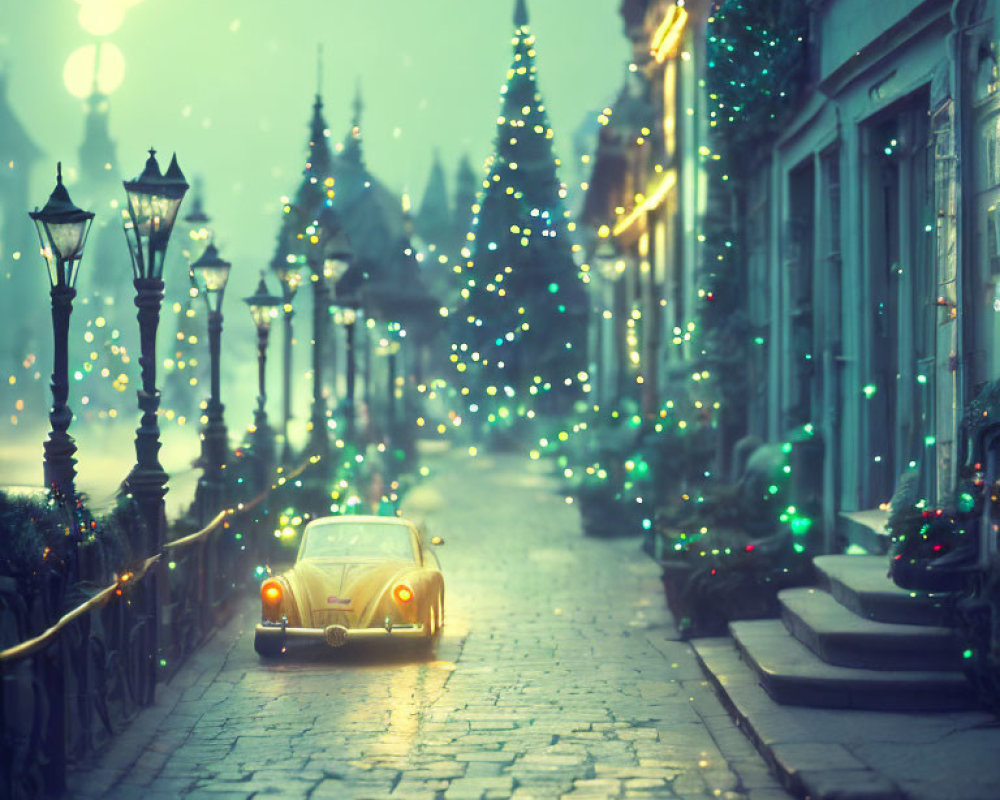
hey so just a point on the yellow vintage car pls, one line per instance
(355, 577)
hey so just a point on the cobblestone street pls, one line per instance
(559, 675)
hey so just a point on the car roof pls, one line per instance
(362, 519)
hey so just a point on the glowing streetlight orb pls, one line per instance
(102, 17)
(78, 74)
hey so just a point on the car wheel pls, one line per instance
(431, 628)
(268, 646)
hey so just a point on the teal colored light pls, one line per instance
(869, 390)
(801, 525)
(921, 379)
(553, 288)
(929, 441)
(967, 653)
(772, 489)
(966, 502)
(798, 548)
(758, 340)
(647, 524)
(786, 447)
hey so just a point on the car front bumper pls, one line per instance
(337, 635)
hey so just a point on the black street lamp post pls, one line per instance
(389, 345)
(153, 202)
(148, 219)
(62, 233)
(263, 309)
(348, 300)
(350, 321)
(211, 274)
(290, 278)
(325, 274)
(318, 442)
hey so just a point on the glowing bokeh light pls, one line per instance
(78, 74)
(102, 17)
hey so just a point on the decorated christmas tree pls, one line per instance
(520, 342)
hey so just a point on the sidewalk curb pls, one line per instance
(129, 744)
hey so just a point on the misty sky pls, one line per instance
(228, 84)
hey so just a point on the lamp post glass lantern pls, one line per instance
(62, 233)
(150, 214)
(211, 274)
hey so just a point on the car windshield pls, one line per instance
(362, 540)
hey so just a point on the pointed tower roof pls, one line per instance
(352, 142)
(197, 215)
(98, 152)
(320, 157)
(434, 220)
(520, 13)
(312, 192)
(435, 198)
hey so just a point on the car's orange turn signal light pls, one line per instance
(402, 593)
(270, 592)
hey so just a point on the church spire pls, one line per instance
(319, 165)
(98, 152)
(359, 105)
(520, 14)
(352, 144)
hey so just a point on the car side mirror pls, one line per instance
(437, 540)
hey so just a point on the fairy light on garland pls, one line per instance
(522, 323)
(756, 64)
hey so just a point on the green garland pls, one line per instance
(757, 64)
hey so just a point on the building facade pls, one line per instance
(868, 251)
(868, 232)
(642, 208)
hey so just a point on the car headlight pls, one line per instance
(271, 593)
(402, 593)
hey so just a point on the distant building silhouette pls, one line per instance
(22, 275)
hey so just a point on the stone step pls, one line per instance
(839, 636)
(861, 583)
(831, 754)
(800, 745)
(793, 675)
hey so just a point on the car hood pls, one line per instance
(343, 591)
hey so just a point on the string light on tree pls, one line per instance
(521, 328)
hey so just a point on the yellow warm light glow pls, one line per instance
(648, 203)
(668, 34)
(78, 73)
